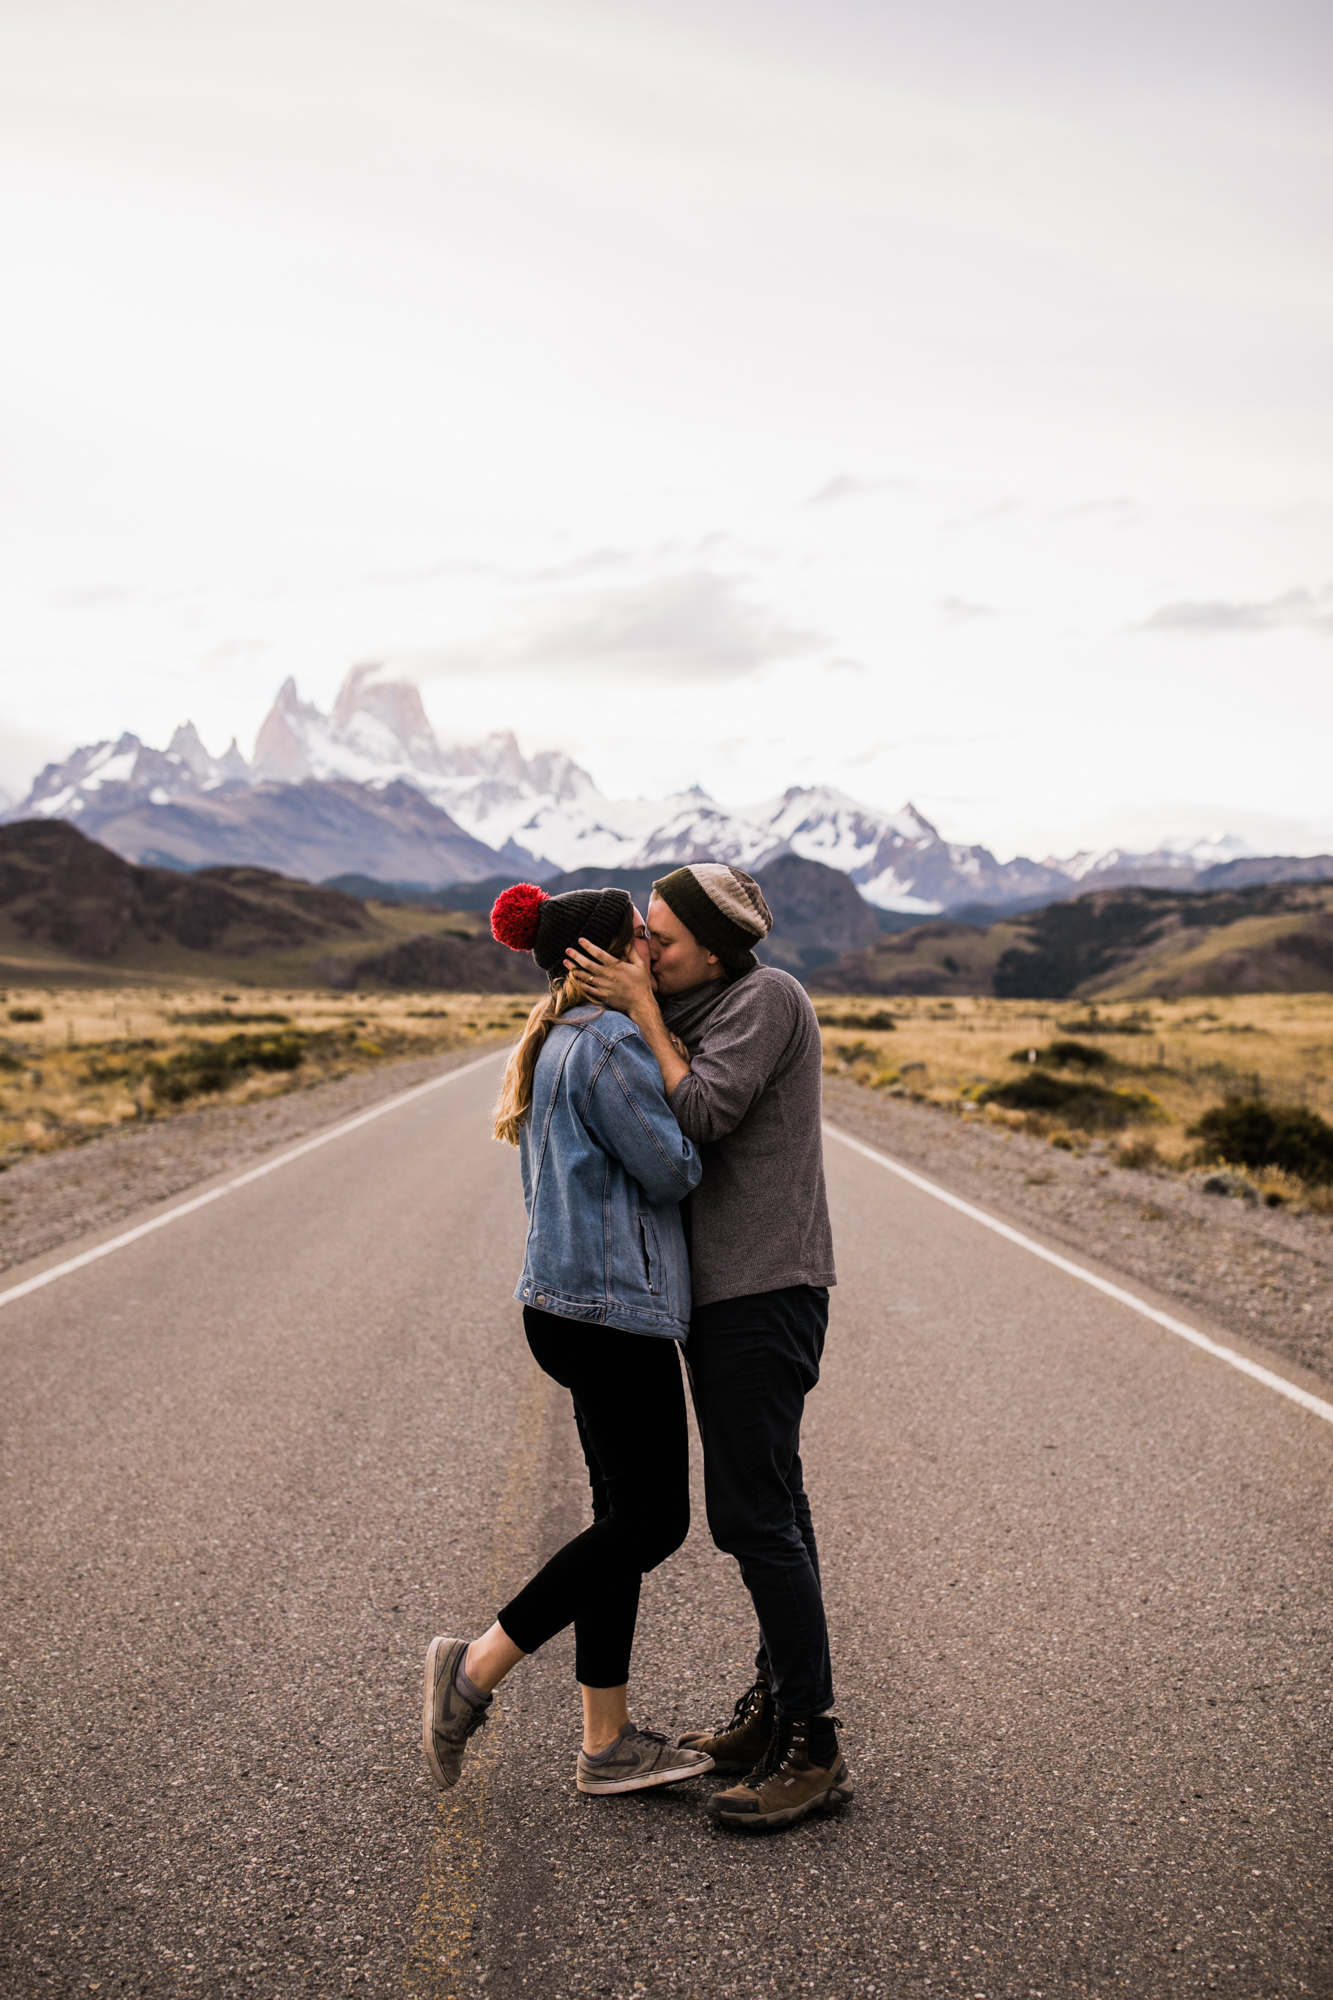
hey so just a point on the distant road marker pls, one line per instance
(1316, 1406)
(86, 1257)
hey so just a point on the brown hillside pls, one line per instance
(70, 909)
(1129, 943)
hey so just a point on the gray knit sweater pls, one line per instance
(759, 1218)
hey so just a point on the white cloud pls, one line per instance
(1312, 610)
(592, 353)
(685, 626)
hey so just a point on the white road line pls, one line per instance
(1314, 1404)
(242, 1180)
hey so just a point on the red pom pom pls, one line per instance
(516, 915)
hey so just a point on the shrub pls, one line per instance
(1248, 1133)
(1137, 1153)
(26, 1014)
(97, 1070)
(1065, 1055)
(208, 1066)
(1096, 1024)
(1090, 1106)
(880, 1023)
(218, 1017)
(854, 1052)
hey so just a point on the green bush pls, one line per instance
(218, 1017)
(880, 1023)
(1245, 1132)
(1065, 1055)
(26, 1014)
(97, 1070)
(208, 1066)
(1090, 1106)
(854, 1052)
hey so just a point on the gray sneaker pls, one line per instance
(448, 1718)
(639, 1758)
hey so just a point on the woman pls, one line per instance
(605, 1290)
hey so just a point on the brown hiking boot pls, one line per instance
(789, 1782)
(741, 1744)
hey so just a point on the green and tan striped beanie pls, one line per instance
(722, 906)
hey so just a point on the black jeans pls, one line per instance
(629, 1405)
(752, 1362)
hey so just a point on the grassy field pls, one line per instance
(75, 1062)
(1182, 1056)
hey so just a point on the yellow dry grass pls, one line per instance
(1187, 1054)
(95, 1057)
(87, 1063)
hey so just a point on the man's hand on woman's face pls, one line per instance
(622, 983)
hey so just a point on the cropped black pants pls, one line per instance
(629, 1405)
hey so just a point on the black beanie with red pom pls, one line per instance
(527, 919)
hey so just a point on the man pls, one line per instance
(761, 1258)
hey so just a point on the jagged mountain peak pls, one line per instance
(206, 770)
(544, 810)
(384, 718)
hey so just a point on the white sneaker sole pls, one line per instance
(603, 1787)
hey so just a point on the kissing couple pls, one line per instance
(665, 1103)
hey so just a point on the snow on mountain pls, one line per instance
(545, 806)
(544, 813)
(898, 860)
(1173, 864)
(102, 775)
(377, 732)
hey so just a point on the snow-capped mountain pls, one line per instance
(103, 773)
(540, 814)
(898, 860)
(1173, 864)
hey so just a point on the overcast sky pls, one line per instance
(929, 398)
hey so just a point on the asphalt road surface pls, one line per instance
(1078, 1579)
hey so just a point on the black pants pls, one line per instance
(629, 1405)
(752, 1362)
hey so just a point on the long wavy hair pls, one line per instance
(566, 992)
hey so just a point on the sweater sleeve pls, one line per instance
(747, 1038)
(627, 1114)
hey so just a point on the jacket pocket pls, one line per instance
(652, 1255)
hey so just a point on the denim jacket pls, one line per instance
(605, 1166)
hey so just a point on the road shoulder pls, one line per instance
(1263, 1277)
(51, 1199)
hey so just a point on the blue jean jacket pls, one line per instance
(605, 1167)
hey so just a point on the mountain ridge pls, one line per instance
(369, 789)
(1114, 943)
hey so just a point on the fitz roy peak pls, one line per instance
(548, 807)
(369, 789)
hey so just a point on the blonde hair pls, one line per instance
(566, 992)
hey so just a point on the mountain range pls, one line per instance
(369, 790)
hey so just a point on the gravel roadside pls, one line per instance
(50, 1198)
(1265, 1275)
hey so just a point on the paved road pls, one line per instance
(1078, 1578)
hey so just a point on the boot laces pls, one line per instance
(787, 1737)
(752, 1699)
